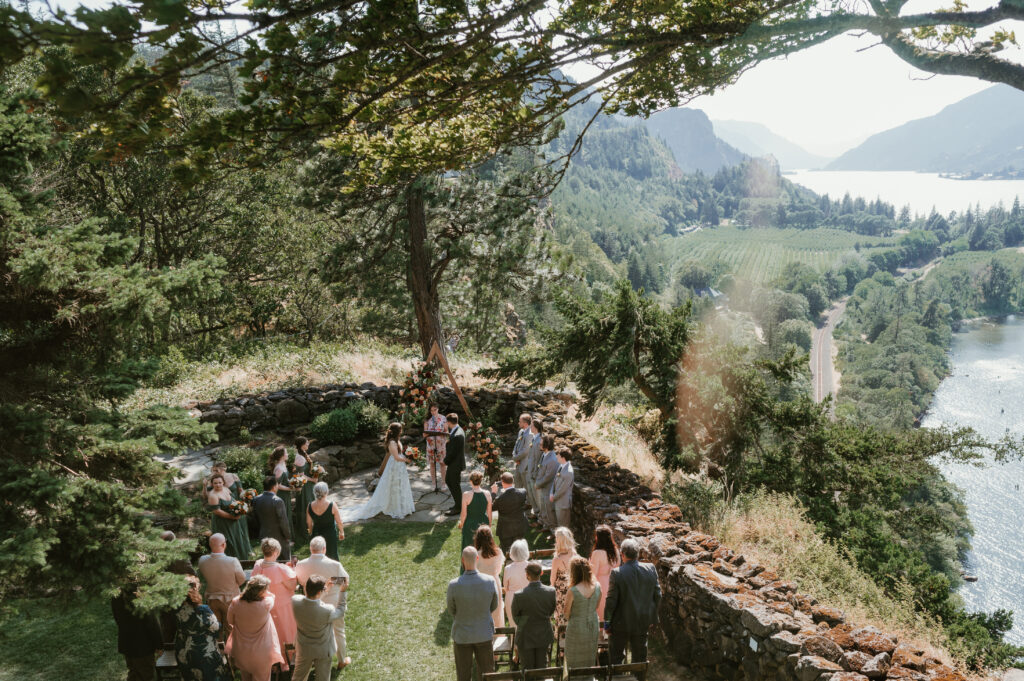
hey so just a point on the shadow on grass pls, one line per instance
(378, 535)
(434, 541)
(443, 629)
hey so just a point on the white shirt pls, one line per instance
(319, 564)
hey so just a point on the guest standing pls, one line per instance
(138, 636)
(303, 496)
(582, 628)
(515, 574)
(632, 606)
(510, 504)
(314, 620)
(476, 509)
(455, 460)
(603, 558)
(521, 449)
(565, 551)
(472, 597)
(323, 519)
(547, 468)
(252, 644)
(532, 609)
(223, 575)
(270, 512)
(195, 640)
(226, 523)
(334, 575)
(532, 460)
(436, 444)
(278, 465)
(561, 489)
(282, 586)
(490, 560)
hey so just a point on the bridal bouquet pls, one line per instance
(238, 508)
(415, 456)
(248, 495)
(297, 481)
(317, 470)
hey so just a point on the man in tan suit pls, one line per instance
(314, 641)
(319, 564)
(223, 574)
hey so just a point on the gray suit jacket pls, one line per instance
(562, 487)
(314, 634)
(533, 457)
(633, 597)
(522, 448)
(532, 608)
(471, 600)
(546, 470)
(269, 510)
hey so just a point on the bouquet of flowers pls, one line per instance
(238, 508)
(417, 393)
(248, 495)
(297, 481)
(317, 470)
(415, 456)
(485, 444)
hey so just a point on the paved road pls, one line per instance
(823, 374)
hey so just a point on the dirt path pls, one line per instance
(824, 376)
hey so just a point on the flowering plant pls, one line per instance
(415, 456)
(417, 393)
(486, 447)
(317, 470)
(238, 508)
(297, 481)
(248, 495)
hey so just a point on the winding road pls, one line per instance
(824, 376)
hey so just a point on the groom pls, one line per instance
(455, 460)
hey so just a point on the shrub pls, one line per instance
(370, 419)
(700, 500)
(249, 464)
(337, 427)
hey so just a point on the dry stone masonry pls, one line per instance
(722, 615)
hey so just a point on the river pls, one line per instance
(921, 191)
(986, 391)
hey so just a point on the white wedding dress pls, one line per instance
(392, 497)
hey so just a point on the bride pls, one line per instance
(393, 495)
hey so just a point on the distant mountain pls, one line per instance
(982, 133)
(691, 138)
(757, 140)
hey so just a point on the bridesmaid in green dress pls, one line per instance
(303, 465)
(323, 519)
(234, 485)
(476, 509)
(224, 522)
(582, 628)
(278, 467)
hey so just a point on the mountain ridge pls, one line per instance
(757, 139)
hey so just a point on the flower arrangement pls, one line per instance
(297, 481)
(238, 508)
(317, 470)
(485, 445)
(417, 393)
(415, 456)
(248, 495)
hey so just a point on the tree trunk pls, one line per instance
(419, 277)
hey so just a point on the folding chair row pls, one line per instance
(635, 671)
(547, 674)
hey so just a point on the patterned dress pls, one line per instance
(561, 585)
(195, 645)
(581, 631)
(436, 445)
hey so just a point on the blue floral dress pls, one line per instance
(195, 645)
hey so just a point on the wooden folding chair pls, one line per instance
(503, 645)
(603, 657)
(588, 674)
(542, 553)
(634, 671)
(548, 674)
(560, 644)
(503, 676)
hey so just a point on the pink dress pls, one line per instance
(253, 644)
(515, 580)
(282, 585)
(602, 568)
(492, 566)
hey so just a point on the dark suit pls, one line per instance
(269, 510)
(138, 638)
(631, 608)
(532, 609)
(512, 523)
(455, 460)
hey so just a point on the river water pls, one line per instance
(921, 191)
(986, 391)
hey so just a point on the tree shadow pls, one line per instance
(443, 629)
(434, 541)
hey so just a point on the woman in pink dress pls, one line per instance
(252, 645)
(282, 586)
(490, 563)
(515, 574)
(603, 558)
(436, 444)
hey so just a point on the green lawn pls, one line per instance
(397, 625)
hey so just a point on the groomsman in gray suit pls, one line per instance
(314, 635)
(472, 597)
(532, 608)
(546, 471)
(532, 460)
(522, 447)
(561, 489)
